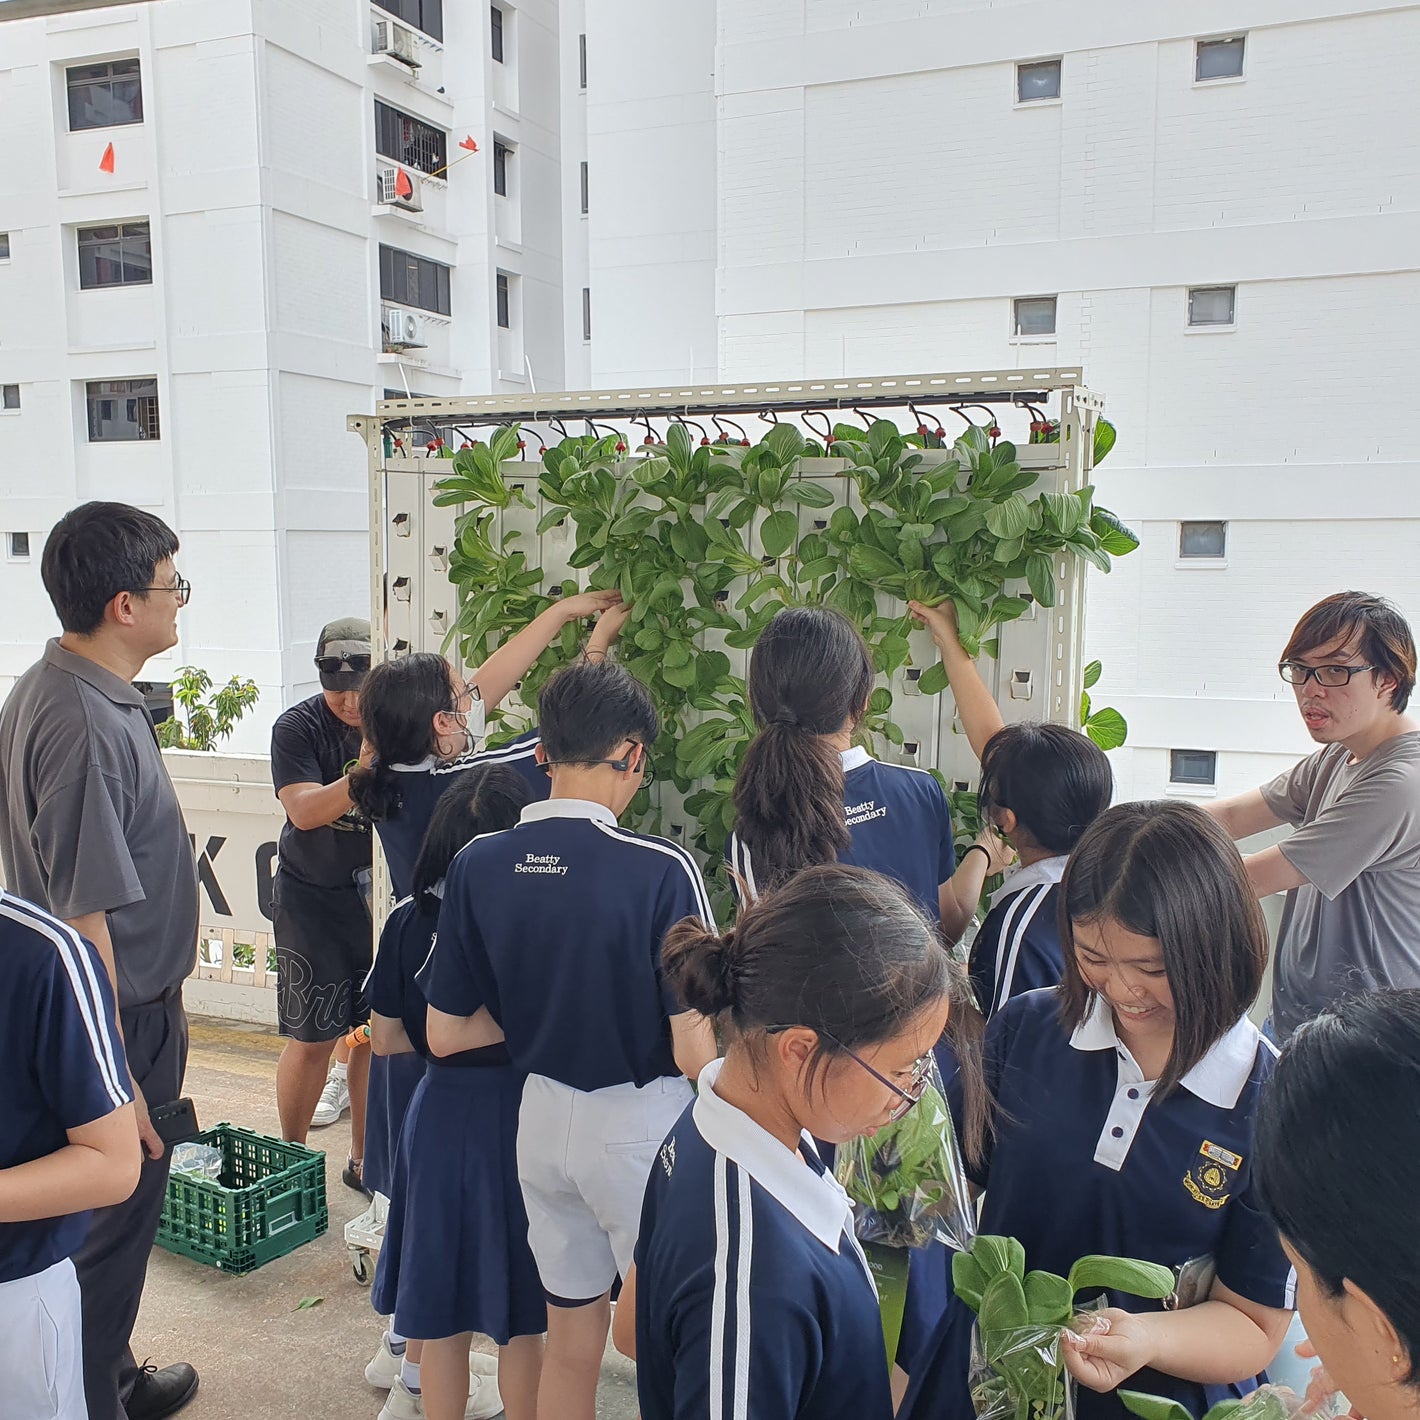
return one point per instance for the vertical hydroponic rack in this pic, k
(1036, 672)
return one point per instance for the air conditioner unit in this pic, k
(395, 40)
(402, 330)
(390, 184)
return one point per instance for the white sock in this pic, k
(396, 1342)
(337, 1070)
(409, 1374)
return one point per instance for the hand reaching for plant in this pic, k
(585, 604)
(999, 854)
(608, 628)
(941, 621)
(1106, 1359)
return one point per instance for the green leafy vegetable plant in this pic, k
(199, 721)
(1018, 1371)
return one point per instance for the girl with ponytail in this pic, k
(805, 794)
(751, 1294)
(422, 722)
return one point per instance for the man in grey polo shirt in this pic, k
(90, 828)
(1351, 871)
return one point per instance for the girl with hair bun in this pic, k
(751, 1294)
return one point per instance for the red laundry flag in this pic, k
(469, 144)
(106, 162)
(402, 185)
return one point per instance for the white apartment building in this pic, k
(224, 228)
(1211, 207)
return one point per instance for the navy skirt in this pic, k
(455, 1256)
(392, 1082)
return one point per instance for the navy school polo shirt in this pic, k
(61, 1060)
(752, 1297)
(422, 784)
(1018, 947)
(1085, 1160)
(899, 824)
(556, 926)
(394, 985)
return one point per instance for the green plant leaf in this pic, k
(1048, 1299)
(778, 531)
(968, 1279)
(1092, 674)
(1153, 1407)
(871, 564)
(1115, 538)
(1108, 729)
(1105, 435)
(811, 495)
(1040, 578)
(785, 442)
(933, 680)
(306, 1303)
(1122, 1274)
(1003, 1304)
(1010, 518)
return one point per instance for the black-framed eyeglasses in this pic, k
(648, 770)
(181, 588)
(916, 1087)
(1333, 677)
(331, 665)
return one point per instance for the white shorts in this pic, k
(583, 1162)
(40, 1353)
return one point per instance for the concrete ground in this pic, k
(258, 1353)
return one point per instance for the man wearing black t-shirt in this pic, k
(323, 932)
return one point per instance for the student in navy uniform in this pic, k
(551, 934)
(805, 794)
(68, 1144)
(422, 723)
(1125, 1104)
(1041, 787)
(438, 1271)
(753, 1299)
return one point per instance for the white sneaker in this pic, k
(402, 1404)
(484, 1402)
(383, 1370)
(334, 1101)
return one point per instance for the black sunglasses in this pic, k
(648, 770)
(329, 665)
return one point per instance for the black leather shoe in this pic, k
(353, 1176)
(158, 1393)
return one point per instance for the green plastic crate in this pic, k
(269, 1200)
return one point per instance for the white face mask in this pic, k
(474, 724)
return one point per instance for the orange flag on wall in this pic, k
(469, 144)
(106, 162)
(402, 185)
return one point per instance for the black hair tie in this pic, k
(788, 722)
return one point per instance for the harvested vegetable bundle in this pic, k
(1267, 1402)
(1017, 1369)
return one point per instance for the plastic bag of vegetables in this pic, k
(907, 1182)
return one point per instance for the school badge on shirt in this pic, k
(668, 1156)
(1211, 1177)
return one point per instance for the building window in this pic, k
(411, 280)
(581, 61)
(496, 34)
(1203, 539)
(104, 95)
(1194, 767)
(120, 255)
(9, 397)
(1219, 59)
(505, 315)
(1037, 81)
(17, 546)
(586, 312)
(1212, 305)
(426, 15)
(502, 161)
(120, 410)
(1033, 315)
(4, 246)
(584, 190)
(409, 140)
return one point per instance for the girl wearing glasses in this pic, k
(752, 1297)
(421, 723)
(1124, 1106)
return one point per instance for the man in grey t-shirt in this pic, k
(90, 828)
(1351, 871)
